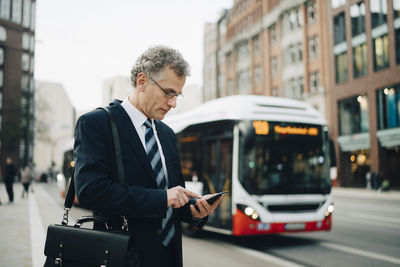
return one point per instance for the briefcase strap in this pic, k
(118, 157)
(117, 146)
(69, 199)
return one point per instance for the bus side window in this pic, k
(332, 153)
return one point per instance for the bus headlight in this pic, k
(249, 211)
(329, 210)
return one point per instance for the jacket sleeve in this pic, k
(185, 212)
(96, 189)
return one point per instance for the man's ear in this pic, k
(141, 81)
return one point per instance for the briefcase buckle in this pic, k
(58, 262)
(124, 223)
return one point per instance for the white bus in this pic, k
(272, 156)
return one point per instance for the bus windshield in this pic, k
(283, 158)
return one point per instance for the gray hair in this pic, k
(155, 59)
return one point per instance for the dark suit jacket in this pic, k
(140, 199)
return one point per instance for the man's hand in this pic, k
(179, 196)
(205, 209)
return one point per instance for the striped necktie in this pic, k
(153, 153)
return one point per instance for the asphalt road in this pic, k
(366, 232)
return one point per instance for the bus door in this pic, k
(217, 176)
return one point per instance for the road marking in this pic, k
(267, 257)
(360, 252)
(369, 223)
(37, 233)
(376, 218)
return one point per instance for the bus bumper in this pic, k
(243, 225)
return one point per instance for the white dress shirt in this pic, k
(138, 119)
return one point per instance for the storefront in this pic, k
(388, 134)
(354, 159)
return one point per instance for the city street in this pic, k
(365, 233)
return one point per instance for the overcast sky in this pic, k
(81, 43)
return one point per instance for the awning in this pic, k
(389, 138)
(354, 142)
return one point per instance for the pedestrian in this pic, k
(154, 199)
(26, 179)
(9, 176)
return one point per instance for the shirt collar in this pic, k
(137, 117)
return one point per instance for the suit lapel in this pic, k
(127, 129)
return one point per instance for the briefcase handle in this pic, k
(90, 218)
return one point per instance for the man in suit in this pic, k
(154, 199)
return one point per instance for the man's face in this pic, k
(153, 102)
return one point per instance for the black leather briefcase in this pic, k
(75, 246)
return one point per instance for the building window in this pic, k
(219, 58)
(25, 40)
(339, 28)
(33, 15)
(244, 82)
(5, 8)
(313, 47)
(272, 34)
(397, 40)
(311, 11)
(353, 115)
(300, 87)
(274, 67)
(25, 62)
(25, 82)
(292, 20)
(294, 54)
(275, 91)
(220, 82)
(230, 87)
(314, 82)
(256, 45)
(1, 80)
(26, 19)
(229, 60)
(243, 53)
(378, 10)
(388, 107)
(3, 34)
(16, 15)
(1, 56)
(341, 67)
(381, 52)
(32, 64)
(337, 3)
(360, 60)
(32, 46)
(357, 14)
(396, 9)
(257, 75)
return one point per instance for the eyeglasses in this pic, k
(168, 93)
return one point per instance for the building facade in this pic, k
(341, 56)
(54, 126)
(117, 87)
(17, 87)
(269, 47)
(365, 81)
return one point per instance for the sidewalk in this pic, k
(15, 246)
(365, 193)
(24, 224)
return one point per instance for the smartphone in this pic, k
(210, 200)
(215, 197)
